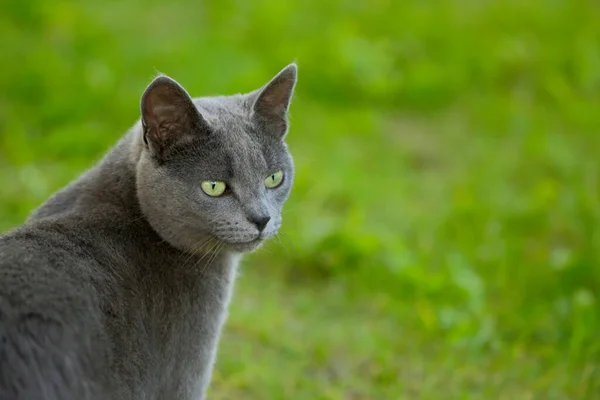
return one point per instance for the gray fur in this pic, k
(118, 286)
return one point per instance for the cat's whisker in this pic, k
(282, 244)
(287, 244)
(286, 237)
(210, 248)
(207, 253)
(193, 250)
(266, 250)
(291, 209)
(217, 251)
(198, 247)
(219, 246)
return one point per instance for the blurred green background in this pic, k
(442, 240)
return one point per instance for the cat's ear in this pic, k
(169, 116)
(272, 101)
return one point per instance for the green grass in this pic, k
(442, 238)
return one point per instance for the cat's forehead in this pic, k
(234, 147)
(232, 126)
(225, 113)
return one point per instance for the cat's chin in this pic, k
(246, 247)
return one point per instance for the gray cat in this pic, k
(118, 286)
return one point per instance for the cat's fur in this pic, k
(117, 287)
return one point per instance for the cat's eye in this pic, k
(213, 188)
(274, 180)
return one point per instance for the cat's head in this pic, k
(215, 171)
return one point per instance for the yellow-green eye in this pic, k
(213, 188)
(274, 180)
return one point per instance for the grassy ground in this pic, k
(442, 238)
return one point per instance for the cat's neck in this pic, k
(111, 181)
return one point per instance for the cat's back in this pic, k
(37, 260)
(71, 263)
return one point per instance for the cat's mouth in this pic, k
(250, 245)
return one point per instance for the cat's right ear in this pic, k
(169, 116)
(271, 103)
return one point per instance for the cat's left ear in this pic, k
(169, 117)
(272, 101)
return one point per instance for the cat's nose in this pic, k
(260, 221)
